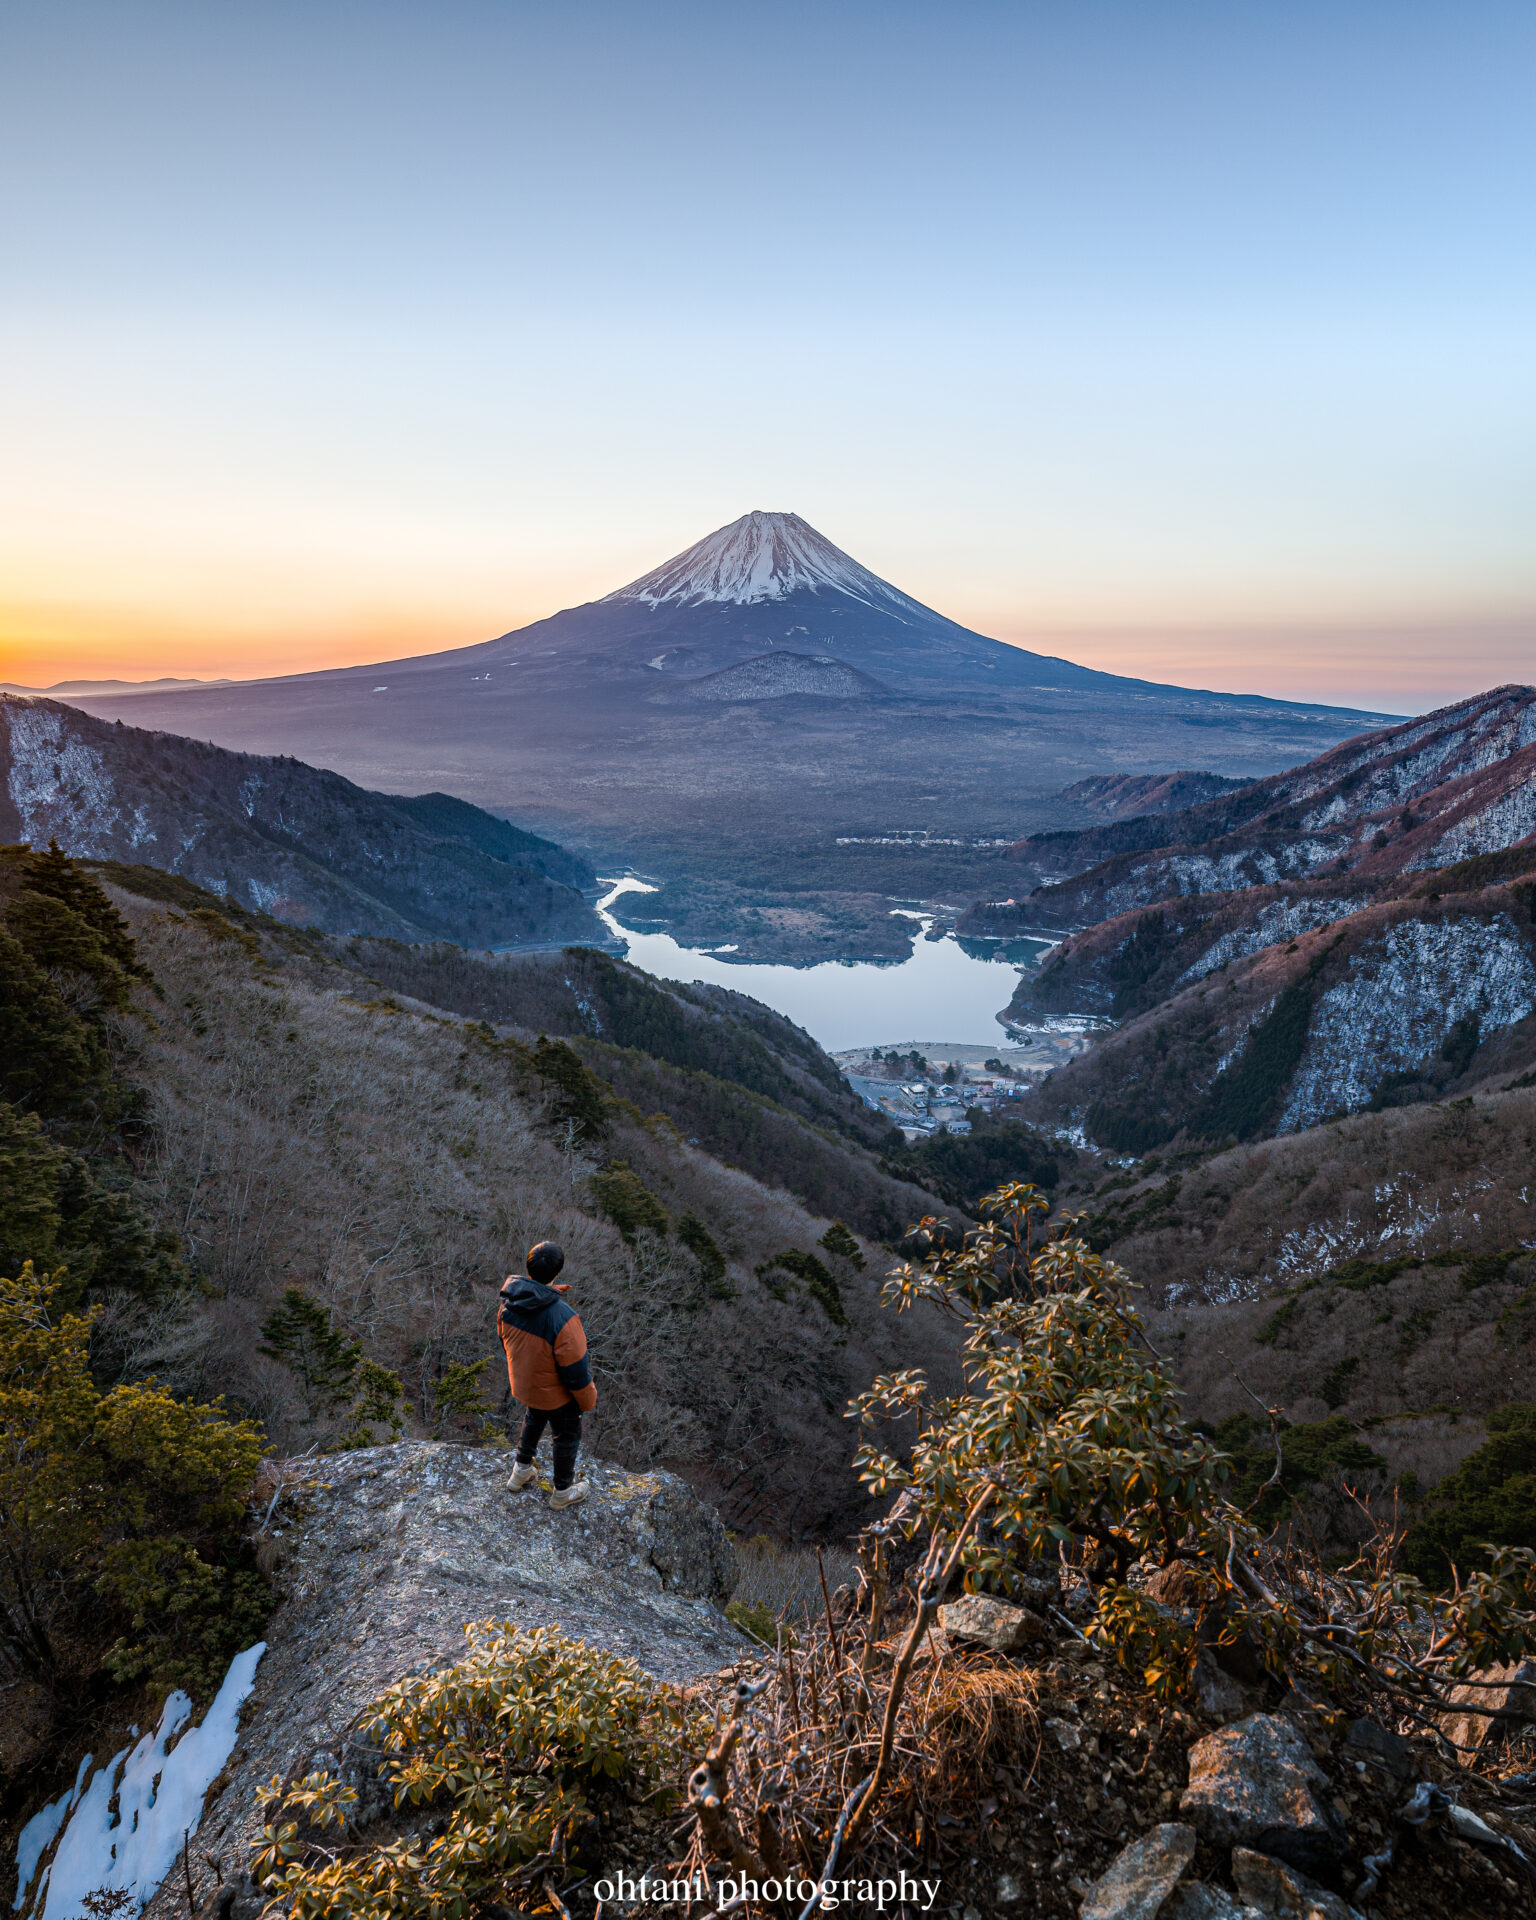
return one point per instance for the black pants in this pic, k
(565, 1424)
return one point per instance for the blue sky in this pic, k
(1191, 340)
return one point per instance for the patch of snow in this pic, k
(1504, 823)
(764, 556)
(1239, 1036)
(37, 1835)
(1280, 920)
(127, 1829)
(265, 895)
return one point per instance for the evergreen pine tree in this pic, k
(839, 1241)
(298, 1332)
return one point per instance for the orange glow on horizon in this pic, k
(1387, 667)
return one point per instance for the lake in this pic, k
(948, 990)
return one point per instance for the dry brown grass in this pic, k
(977, 1714)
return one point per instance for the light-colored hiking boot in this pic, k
(523, 1476)
(569, 1496)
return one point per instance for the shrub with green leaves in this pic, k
(1070, 1439)
(503, 1752)
(574, 1094)
(60, 1211)
(701, 1243)
(1488, 1502)
(131, 1498)
(298, 1332)
(624, 1198)
(66, 961)
(1310, 1453)
(332, 1370)
(814, 1276)
(839, 1241)
(456, 1396)
(380, 1402)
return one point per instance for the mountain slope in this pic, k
(1437, 789)
(1356, 933)
(557, 722)
(1401, 1000)
(302, 845)
(1130, 796)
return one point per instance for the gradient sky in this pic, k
(1191, 340)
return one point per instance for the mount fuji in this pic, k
(761, 704)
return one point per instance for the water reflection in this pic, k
(947, 990)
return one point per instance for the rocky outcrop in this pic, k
(1497, 1695)
(384, 1555)
(1279, 1892)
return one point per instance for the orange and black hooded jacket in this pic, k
(546, 1347)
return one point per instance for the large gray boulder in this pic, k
(1256, 1784)
(1141, 1877)
(384, 1555)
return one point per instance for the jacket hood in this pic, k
(522, 1295)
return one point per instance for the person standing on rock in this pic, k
(548, 1367)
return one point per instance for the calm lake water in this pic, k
(947, 991)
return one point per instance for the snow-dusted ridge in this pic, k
(765, 556)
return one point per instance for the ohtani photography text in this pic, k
(903, 1891)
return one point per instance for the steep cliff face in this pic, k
(292, 841)
(1406, 989)
(1408, 998)
(1127, 964)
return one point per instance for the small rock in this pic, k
(1281, 1893)
(1371, 1742)
(1218, 1693)
(1067, 1737)
(1256, 1784)
(1142, 1876)
(1010, 1890)
(991, 1623)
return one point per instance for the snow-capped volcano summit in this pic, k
(763, 556)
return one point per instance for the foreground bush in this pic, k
(119, 1513)
(1069, 1448)
(505, 1749)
